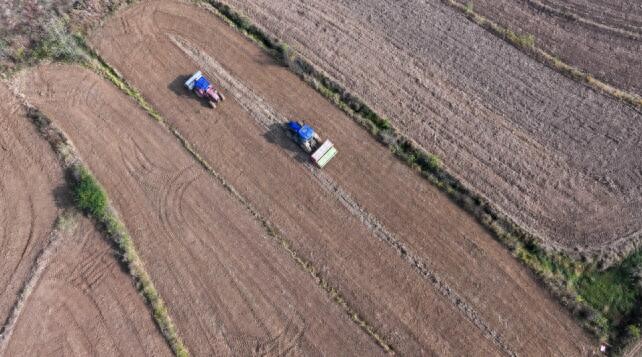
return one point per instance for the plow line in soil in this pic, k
(268, 117)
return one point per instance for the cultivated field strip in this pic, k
(261, 167)
(596, 16)
(580, 33)
(266, 116)
(85, 304)
(499, 119)
(198, 243)
(40, 264)
(29, 181)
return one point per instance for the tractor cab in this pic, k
(202, 83)
(303, 132)
(204, 89)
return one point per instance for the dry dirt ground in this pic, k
(85, 304)
(559, 158)
(417, 267)
(30, 181)
(230, 289)
(603, 37)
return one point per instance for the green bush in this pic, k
(58, 44)
(612, 292)
(469, 8)
(89, 196)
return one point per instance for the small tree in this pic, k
(89, 196)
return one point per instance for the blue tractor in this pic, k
(310, 142)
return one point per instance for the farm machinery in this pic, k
(320, 152)
(198, 84)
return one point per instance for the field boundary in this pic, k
(559, 272)
(527, 44)
(91, 198)
(100, 66)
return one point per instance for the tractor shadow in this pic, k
(277, 135)
(177, 86)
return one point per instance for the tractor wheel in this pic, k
(221, 96)
(212, 104)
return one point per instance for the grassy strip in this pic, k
(91, 198)
(100, 66)
(56, 44)
(605, 302)
(527, 44)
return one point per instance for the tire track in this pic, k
(267, 117)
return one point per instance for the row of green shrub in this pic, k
(605, 302)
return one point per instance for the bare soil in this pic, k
(31, 190)
(230, 289)
(600, 36)
(554, 155)
(417, 267)
(85, 304)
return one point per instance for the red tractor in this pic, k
(203, 89)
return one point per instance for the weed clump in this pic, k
(88, 194)
(58, 44)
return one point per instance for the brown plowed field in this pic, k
(86, 305)
(230, 289)
(557, 157)
(417, 267)
(30, 179)
(604, 37)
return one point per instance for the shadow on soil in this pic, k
(62, 197)
(277, 135)
(177, 86)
